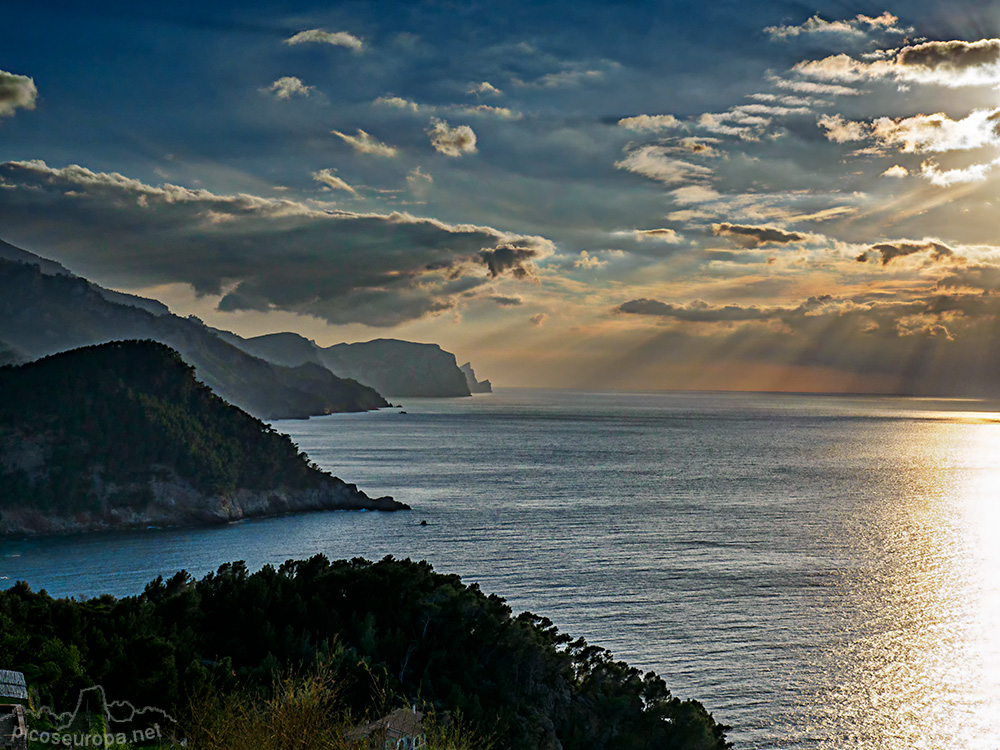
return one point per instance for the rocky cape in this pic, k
(392, 367)
(122, 436)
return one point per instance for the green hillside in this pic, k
(125, 426)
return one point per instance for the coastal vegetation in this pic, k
(365, 630)
(123, 434)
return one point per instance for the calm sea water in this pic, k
(821, 572)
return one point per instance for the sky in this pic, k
(721, 195)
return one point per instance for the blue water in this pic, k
(821, 572)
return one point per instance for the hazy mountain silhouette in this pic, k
(390, 366)
(45, 309)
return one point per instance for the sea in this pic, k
(818, 571)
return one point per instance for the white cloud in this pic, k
(860, 25)
(586, 260)
(503, 113)
(896, 170)
(287, 87)
(934, 133)
(695, 194)
(937, 132)
(840, 130)
(650, 123)
(973, 173)
(812, 87)
(452, 141)
(332, 182)
(651, 161)
(367, 144)
(16, 92)
(397, 102)
(336, 38)
(485, 88)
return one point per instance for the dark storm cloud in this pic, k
(698, 311)
(257, 253)
(509, 258)
(750, 237)
(889, 251)
(951, 55)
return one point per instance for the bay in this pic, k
(819, 571)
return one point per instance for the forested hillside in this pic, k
(122, 434)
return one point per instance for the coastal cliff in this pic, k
(122, 435)
(390, 366)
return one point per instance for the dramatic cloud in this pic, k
(452, 141)
(328, 178)
(860, 25)
(698, 311)
(650, 123)
(367, 144)
(653, 162)
(287, 87)
(257, 253)
(336, 38)
(753, 236)
(889, 251)
(938, 133)
(509, 259)
(16, 92)
(952, 63)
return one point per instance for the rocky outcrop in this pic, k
(167, 501)
(475, 386)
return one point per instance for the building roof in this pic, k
(12, 685)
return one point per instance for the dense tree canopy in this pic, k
(111, 414)
(393, 626)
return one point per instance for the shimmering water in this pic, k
(821, 572)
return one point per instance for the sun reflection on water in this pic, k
(920, 651)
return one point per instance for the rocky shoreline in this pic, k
(170, 502)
